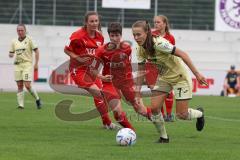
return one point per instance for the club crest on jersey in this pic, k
(111, 46)
(230, 12)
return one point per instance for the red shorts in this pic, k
(84, 79)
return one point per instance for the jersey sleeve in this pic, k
(33, 44)
(74, 45)
(163, 45)
(12, 47)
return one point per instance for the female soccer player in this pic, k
(117, 74)
(161, 28)
(172, 74)
(22, 48)
(83, 43)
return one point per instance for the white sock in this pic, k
(33, 93)
(20, 98)
(158, 121)
(193, 113)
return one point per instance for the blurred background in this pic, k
(184, 14)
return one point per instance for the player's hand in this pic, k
(201, 79)
(106, 78)
(82, 60)
(11, 55)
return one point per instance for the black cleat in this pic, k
(200, 121)
(163, 140)
(20, 107)
(38, 103)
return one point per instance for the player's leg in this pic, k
(129, 95)
(86, 81)
(101, 104)
(114, 100)
(169, 106)
(19, 80)
(27, 78)
(185, 113)
(157, 100)
(20, 95)
(159, 93)
(183, 93)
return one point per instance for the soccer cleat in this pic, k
(20, 107)
(163, 140)
(112, 126)
(200, 121)
(169, 118)
(38, 103)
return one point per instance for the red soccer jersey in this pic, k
(117, 62)
(167, 36)
(83, 45)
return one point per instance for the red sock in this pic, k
(169, 103)
(122, 120)
(149, 113)
(103, 110)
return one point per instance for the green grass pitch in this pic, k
(38, 134)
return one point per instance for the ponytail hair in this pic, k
(148, 44)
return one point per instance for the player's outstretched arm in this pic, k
(36, 58)
(201, 79)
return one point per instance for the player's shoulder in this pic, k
(109, 46)
(125, 45)
(14, 40)
(28, 38)
(78, 34)
(159, 39)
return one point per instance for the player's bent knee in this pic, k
(183, 116)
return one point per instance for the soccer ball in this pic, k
(126, 137)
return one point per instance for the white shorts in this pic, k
(182, 90)
(23, 71)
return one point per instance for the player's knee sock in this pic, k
(193, 113)
(103, 110)
(33, 93)
(169, 104)
(122, 120)
(20, 98)
(158, 122)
